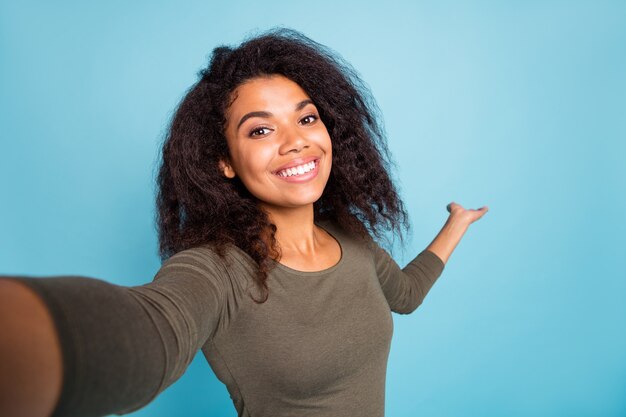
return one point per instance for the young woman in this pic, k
(272, 190)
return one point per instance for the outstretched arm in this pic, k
(30, 354)
(119, 346)
(406, 288)
(453, 230)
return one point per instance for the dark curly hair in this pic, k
(197, 205)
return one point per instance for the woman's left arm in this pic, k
(453, 230)
(405, 288)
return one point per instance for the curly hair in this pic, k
(197, 205)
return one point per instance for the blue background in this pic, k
(520, 106)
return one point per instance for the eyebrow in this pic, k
(266, 114)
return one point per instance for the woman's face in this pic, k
(279, 146)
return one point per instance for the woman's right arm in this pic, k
(30, 353)
(119, 346)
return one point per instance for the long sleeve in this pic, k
(406, 288)
(122, 346)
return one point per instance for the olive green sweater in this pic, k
(317, 347)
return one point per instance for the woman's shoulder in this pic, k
(207, 259)
(206, 254)
(201, 256)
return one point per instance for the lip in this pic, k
(296, 162)
(306, 177)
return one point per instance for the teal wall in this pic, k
(520, 106)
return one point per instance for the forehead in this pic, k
(264, 93)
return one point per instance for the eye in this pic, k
(306, 120)
(259, 131)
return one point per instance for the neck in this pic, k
(295, 229)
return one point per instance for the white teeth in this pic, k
(298, 170)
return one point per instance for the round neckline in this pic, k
(322, 271)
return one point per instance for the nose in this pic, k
(293, 142)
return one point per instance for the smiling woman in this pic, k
(283, 157)
(272, 150)
(273, 189)
(259, 108)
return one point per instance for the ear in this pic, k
(227, 169)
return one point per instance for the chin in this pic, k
(297, 202)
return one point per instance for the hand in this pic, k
(454, 229)
(465, 216)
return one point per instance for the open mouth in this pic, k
(299, 170)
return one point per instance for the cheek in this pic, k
(254, 160)
(326, 143)
(319, 135)
(324, 138)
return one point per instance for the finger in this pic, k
(480, 212)
(450, 206)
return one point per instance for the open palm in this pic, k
(464, 215)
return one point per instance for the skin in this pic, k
(454, 228)
(261, 144)
(31, 367)
(30, 353)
